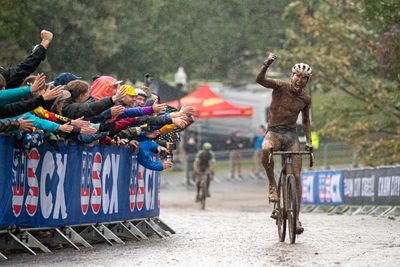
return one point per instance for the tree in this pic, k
(350, 52)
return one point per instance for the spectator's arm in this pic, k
(144, 159)
(167, 129)
(15, 109)
(136, 112)
(102, 117)
(42, 124)
(13, 95)
(8, 125)
(15, 76)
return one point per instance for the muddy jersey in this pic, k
(203, 159)
(286, 105)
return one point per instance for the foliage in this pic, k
(127, 38)
(352, 53)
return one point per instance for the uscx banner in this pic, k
(322, 188)
(44, 187)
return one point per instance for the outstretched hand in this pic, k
(80, 123)
(159, 108)
(117, 110)
(119, 94)
(39, 83)
(188, 110)
(25, 125)
(167, 164)
(51, 94)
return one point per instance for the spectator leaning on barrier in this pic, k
(141, 97)
(103, 87)
(66, 108)
(144, 157)
(76, 106)
(55, 114)
(15, 76)
(11, 105)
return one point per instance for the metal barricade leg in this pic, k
(91, 233)
(122, 230)
(72, 235)
(135, 230)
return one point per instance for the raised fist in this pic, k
(47, 37)
(271, 58)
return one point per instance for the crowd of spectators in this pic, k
(68, 110)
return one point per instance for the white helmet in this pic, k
(302, 68)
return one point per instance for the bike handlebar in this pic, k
(293, 153)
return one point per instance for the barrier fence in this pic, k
(359, 187)
(76, 186)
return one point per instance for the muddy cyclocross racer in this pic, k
(288, 100)
(204, 170)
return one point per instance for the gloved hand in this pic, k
(271, 58)
(309, 148)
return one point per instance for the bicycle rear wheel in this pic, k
(203, 192)
(291, 207)
(281, 207)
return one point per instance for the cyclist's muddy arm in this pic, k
(262, 80)
(267, 82)
(306, 122)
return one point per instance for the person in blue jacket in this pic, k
(147, 147)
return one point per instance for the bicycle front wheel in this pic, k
(291, 207)
(281, 207)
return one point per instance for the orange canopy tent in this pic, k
(210, 105)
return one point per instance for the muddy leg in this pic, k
(270, 143)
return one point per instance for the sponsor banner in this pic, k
(379, 186)
(44, 187)
(322, 188)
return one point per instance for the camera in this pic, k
(51, 84)
(171, 146)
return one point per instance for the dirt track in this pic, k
(235, 230)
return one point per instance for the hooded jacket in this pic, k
(102, 87)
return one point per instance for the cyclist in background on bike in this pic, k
(204, 163)
(288, 100)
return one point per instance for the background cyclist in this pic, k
(204, 163)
